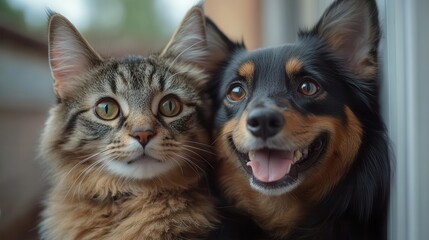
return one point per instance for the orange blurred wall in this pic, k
(238, 19)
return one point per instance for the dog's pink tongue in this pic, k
(271, 165)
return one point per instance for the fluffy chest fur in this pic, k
(170, 214)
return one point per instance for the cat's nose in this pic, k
(143, 136)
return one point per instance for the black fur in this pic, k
(357, 208)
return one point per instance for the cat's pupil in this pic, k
(106, 108)
(170, 106)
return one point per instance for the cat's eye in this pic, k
(107, 109)
(308, 88)
(236, 93)
(170, 106)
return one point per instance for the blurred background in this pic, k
(117, 28)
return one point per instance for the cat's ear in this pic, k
(351, 29)
(189, 40)
(196, 42)
(70, 55)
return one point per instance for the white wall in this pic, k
(406, 56)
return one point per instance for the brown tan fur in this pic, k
(139, 211)
(246, 71)
(293, 67)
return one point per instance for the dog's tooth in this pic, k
(288, 170)
(305, 152)
(297, 156)
(251, 155)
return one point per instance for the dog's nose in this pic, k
(264, 123)
(143, 136)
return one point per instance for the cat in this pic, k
(127, 143)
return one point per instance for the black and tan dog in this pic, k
(303, 145)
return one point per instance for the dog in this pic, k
(302, 144)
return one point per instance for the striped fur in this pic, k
(105, 184)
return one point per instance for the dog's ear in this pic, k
(351, 29)
(220, 46)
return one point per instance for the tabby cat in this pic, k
(126, 144)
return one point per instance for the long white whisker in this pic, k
(83, 161)
(82, 175)
(84, 171)
(191, 164)
(199, 143)
(200, 149)
(186, 148)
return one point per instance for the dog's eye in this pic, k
(236, 93)
(308, 88)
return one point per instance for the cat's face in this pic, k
(134, 117)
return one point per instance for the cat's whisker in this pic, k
(200, 149)
(197, 169)
(105, 164)
(101, 164)
(83, 161)
(186, 148)
(198, 143)
(84, 172)
(174, 160)
(189, 161)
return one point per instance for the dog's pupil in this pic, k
(237, 93)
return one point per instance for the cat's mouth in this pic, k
(140, 166)
(143, 158)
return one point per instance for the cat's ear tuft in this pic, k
(351, 29)
(70, 55)
(197, 41)
(189, 40)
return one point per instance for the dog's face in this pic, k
(292, 116)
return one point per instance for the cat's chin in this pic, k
(142, 167)
(144, 158)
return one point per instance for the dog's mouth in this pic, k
(277, 168)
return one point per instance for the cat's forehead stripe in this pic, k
(71, 121)
(113, 86)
